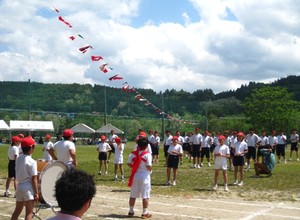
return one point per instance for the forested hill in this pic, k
(78, 98)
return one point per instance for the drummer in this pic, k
(64, 150)
(27, 178)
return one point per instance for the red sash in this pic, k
(135, 164)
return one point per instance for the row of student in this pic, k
(199, 145)
(141, 162)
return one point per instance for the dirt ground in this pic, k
(112, 203)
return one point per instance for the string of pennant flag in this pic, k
(106, 68)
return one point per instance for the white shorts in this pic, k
(141, 185)
(220, 164)
(118, 160)
(24, 192)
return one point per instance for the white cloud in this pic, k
(216, 52)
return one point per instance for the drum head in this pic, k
(50, 174)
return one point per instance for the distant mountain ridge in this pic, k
(78, 98)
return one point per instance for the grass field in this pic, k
(282, 185)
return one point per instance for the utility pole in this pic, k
(105, 107)
(29, 100)
(163, 116)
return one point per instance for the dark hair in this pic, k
(268, 146)
(73, 189)
(25, 150)
(143, 143)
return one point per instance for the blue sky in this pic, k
(158, 11)
(157, 44)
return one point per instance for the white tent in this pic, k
(31, 125)
(3, 125)
(82, 128)
(107, 128)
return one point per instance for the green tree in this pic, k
(271, 108)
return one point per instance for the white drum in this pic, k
(48, 177)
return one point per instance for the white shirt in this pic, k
(252, 140)
(240, 147)
(177, 148)
(180, 140)
(103, 147)
(143, 165)
(62, 149)
(281, 139)
(12, 152)
(150, 138)
(264, 140)
(233, 139)
(26, 167)
(168, 140)
(196, 139)
(62, 216)
(112, 138)
(47, 146)
(207, 141)
(224, 150)
(273, 140)
(294, 138)
(156, 140)
(118, 157)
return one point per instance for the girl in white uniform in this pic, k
(118, 158)
(221, 153)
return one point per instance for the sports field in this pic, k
(276, 197)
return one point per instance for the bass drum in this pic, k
(41, 164)
(48, 177)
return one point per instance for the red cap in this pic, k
(48, 136)
(15, 138)
(142, 134)
(67, 133)
(221, 137)
(27, 142)
(241, 134)
(21, 135)
(175, 138)
(103, 137)
(118, 140)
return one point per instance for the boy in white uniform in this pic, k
(140, 181)
(221, 153)
(13, 153)
(294, 144)
(65, 149)
(47, 145)
(27, 178)
(118, 158)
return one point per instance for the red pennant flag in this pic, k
(115, 77)
(103, 68)
(96, 58)
(67, 23)
(139, 97)
(84, 49)
(125, 86)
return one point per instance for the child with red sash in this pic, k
(140, 182)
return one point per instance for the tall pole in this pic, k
(29, 100)
(163, 116)
(206, 117)
(105, 107)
